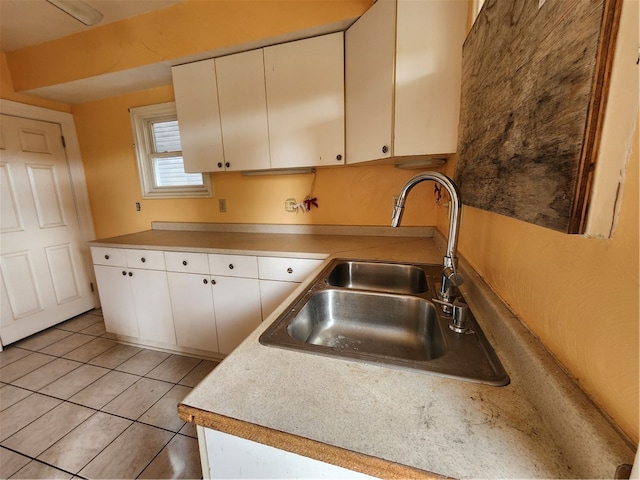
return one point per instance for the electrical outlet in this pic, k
(222, 205)
(289, 205)
(138, 207)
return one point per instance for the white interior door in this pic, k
(43, 278)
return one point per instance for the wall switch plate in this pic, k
(289, 205)
(222, 205)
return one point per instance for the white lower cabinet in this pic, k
(273, 293)
(191, 300)
(279, 276)
(152, 305)
(116, 299)
(229, 456)
(135, 303)
(193, 312)
(237, 308)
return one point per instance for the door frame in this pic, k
(76, 173)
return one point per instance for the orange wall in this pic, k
(579, 295)
(358, 195)
(7, 91)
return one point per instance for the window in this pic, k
(159, 152)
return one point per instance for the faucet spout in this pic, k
(450, 259)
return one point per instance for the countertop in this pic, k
(391, 422)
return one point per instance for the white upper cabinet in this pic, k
(369, 79)
(196, 94)
(402, 75)
(243, 110)
(305, 101)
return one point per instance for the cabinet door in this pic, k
(305, 101)
(116, 300)
(196, 94)
(193, 313)
(243, 110)
(369, 80)
(428, 71)
(152, 305)
(273, 293)
(236, 303)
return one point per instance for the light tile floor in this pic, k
(75, 403)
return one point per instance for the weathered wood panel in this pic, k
(534, 76)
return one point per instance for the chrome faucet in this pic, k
(450, 278)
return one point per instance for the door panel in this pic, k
(44, 280)
(10, 220)
(44, 187)
(20, 284)
(63, 273)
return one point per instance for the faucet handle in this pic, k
(459, 312)
(454, 277)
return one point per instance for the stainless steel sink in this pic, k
(378, 277)
(382, 312)
(370, 323)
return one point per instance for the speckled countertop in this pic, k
(393, 422)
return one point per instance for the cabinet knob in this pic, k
(106, 257)
(338, 157)
(231, 266)
(385, 149)
(219, 164)
(124, 273)
(131, 274)
(289, 270)
(205, 281)
(142, 259)
(227, 164)
(213, 282)
(184, 262)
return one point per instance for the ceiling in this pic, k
(25, 23)
(29, 22)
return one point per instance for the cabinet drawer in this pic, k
(233, 265)
(187, 262)
(108, 256)
(286, 269)
(147, 259)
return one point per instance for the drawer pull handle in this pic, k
(205, 281)
(289, 270)
(231, 266)
(184, 262)
(106, 257)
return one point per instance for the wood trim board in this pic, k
(535, 77)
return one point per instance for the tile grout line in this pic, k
(173, 384)
(73, 475)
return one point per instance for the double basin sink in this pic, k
(381, 312)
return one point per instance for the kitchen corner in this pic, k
(388, 422)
